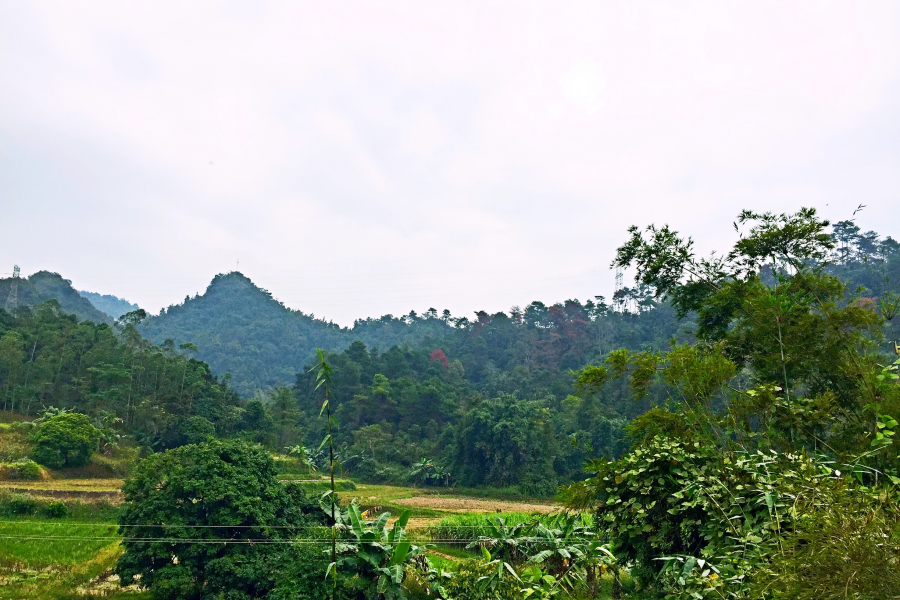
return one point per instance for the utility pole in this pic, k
(12, 301)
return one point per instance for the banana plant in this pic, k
(374, 557)
(505, 541)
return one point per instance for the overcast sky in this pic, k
(368, 158)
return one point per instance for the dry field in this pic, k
(472, 505)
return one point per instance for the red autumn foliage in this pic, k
(438, 354)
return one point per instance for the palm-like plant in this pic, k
(422, 471)
(503, 541)
(569, 548)
(373, 556)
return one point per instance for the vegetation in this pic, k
(65, 440)
(44, 286)
(779, 426)
(209, 520)
(112, 306)
(737, 416)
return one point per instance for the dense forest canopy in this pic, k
(487, 400)
(111, 305)
(43, 286)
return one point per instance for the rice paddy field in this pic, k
(59, 539)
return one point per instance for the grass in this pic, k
(67, 485)
(36, 543)
(460, 530)
(14, 443)
(89, 578)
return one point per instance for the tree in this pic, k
(65, 440)
(220, 522)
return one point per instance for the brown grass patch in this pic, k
(472, 505)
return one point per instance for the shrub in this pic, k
(56, 510)
(65, 440)
(24, 470)
(302, 577)
(18, 505)
(846, 540)
(469, 582)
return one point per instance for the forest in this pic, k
(723, 428)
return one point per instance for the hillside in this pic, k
(43, 286)
(241, 329)
(110, 305)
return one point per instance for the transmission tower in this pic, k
(618, 301)
(12, 301)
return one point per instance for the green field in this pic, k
(74, 556)
(34, 543)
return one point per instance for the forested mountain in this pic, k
(490, 400)
(43, 286)
(111, 305)
(158, 396)
(241, 329)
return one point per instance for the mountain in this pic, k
(241, 329)
(43, 286)
(111, 305)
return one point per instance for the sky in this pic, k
(364, 158)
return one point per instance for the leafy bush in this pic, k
(56, 509)
(65, 440)
(18, 505)
(846, 545)
(23, 470)
(469, 582)
(302, 576)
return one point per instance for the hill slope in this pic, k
(43, 286)
(111, 305)
(241, 329)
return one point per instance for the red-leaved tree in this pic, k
(439, 355)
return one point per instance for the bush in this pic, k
(21, 470)
(468, 583)
(65, 440)
(18, 504)
(56, 510)
(847, 540)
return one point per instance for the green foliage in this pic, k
(25, 470)
(726, 492)
(219, 518)
(18, 505)
(507, 442)
(302, 575)
(372, 558)
(44, 286)
(110, 305)
(468, 580)
(845, 544)
(65, 440)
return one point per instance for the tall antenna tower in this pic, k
(618, 302)
(12, 301)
